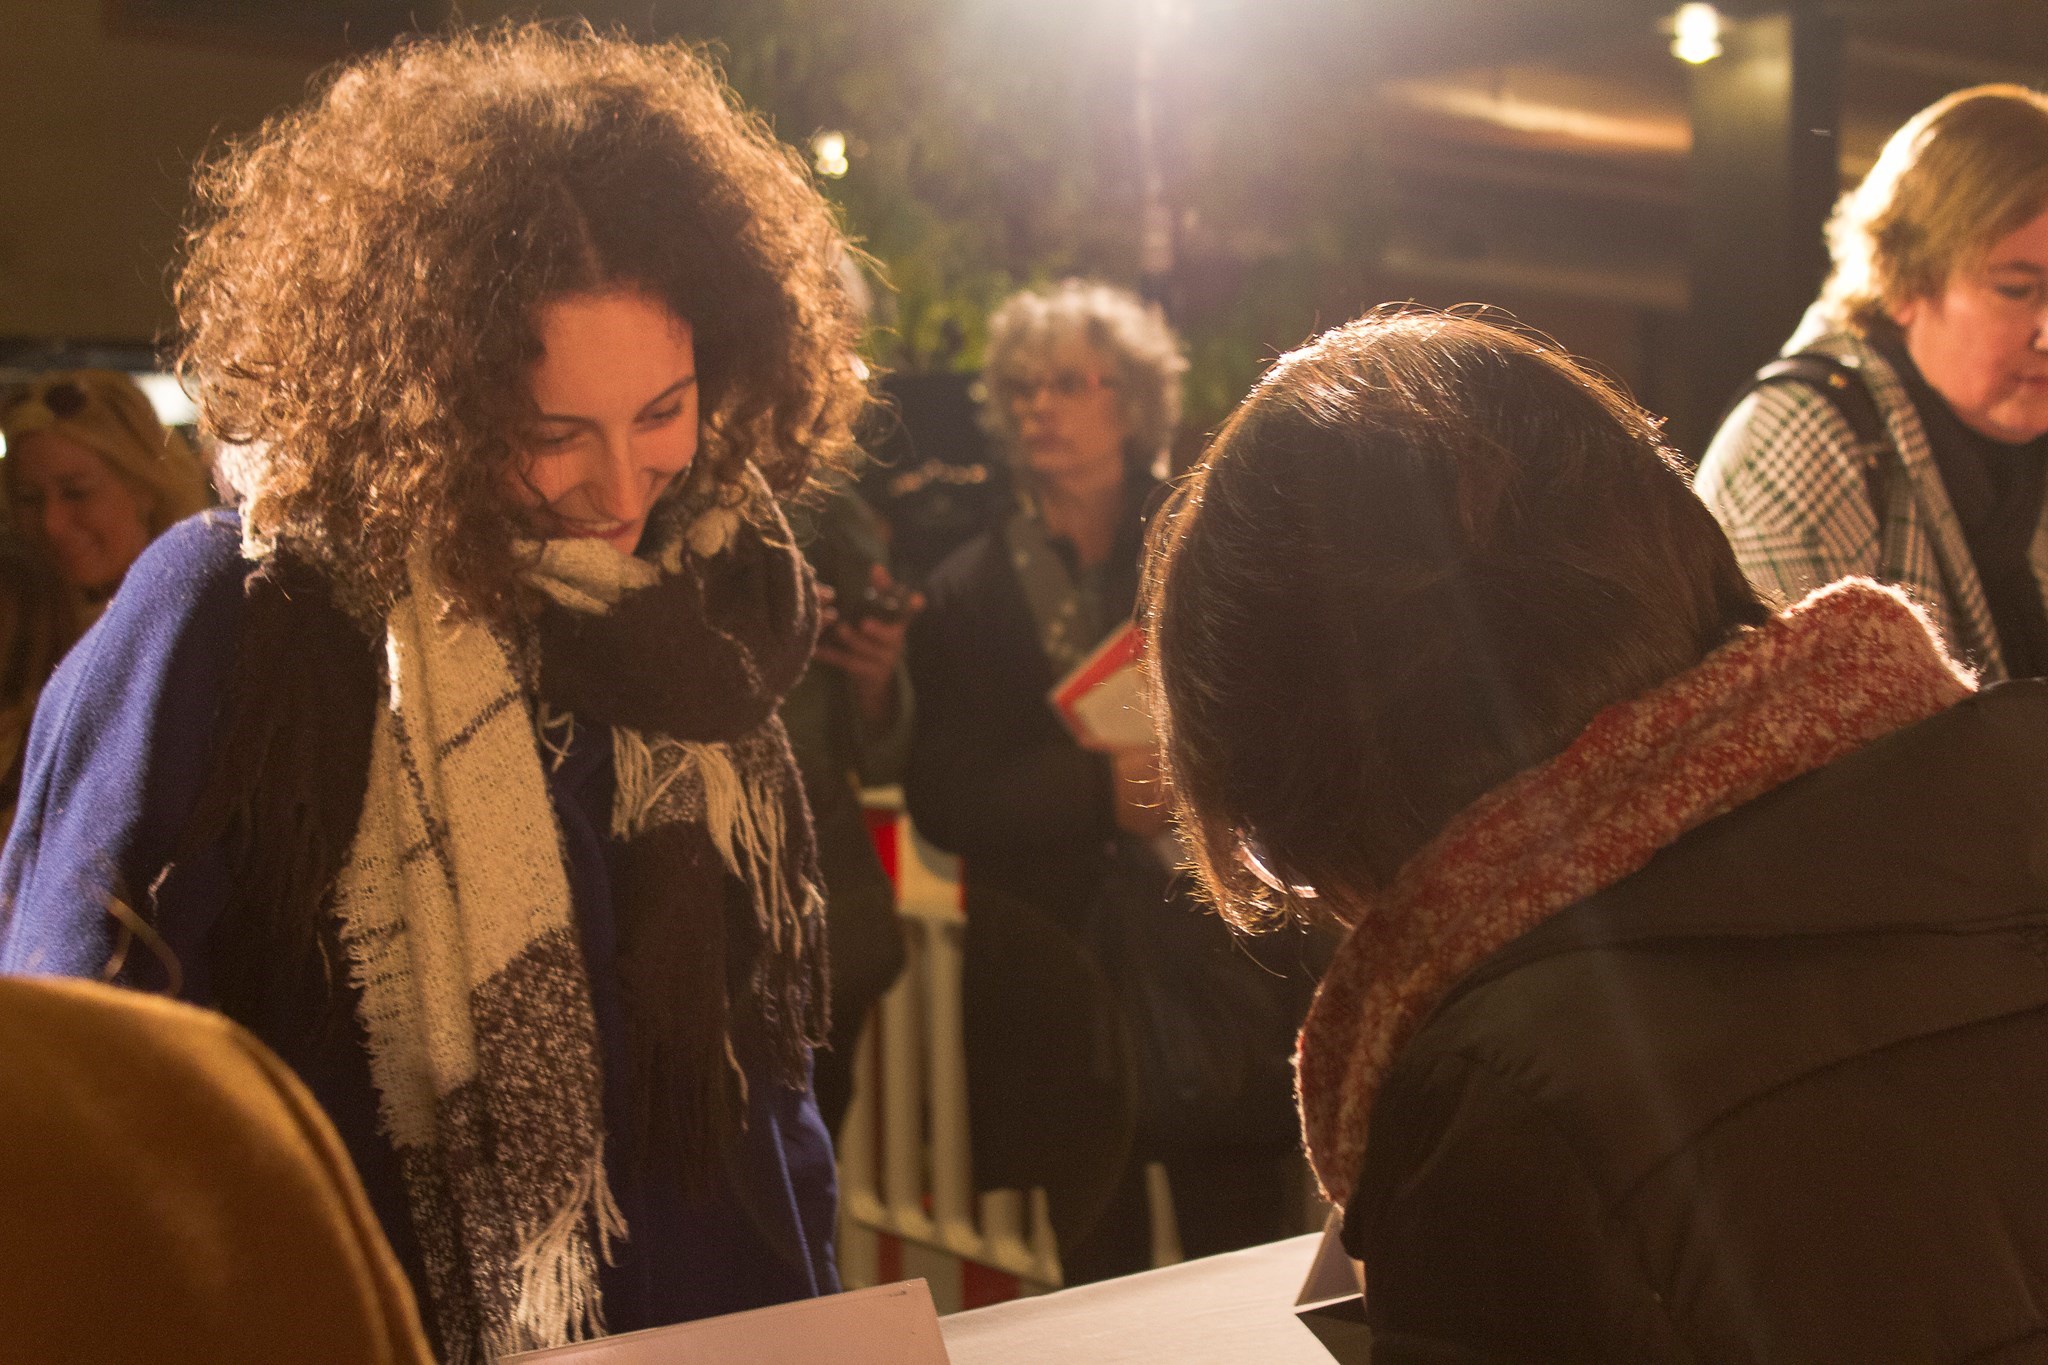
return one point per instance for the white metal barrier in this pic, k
(904, 1167)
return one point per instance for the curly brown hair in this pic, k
(361, 292)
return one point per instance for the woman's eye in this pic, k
(662, 416)
(554, 440)
(2019, 293)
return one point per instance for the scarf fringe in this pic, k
(745, 820)
(557, 1268)
(642, 773)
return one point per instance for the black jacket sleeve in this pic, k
(1484, 1238)
(993, 774)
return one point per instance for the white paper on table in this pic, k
(890, 1324)
(1332, 1274)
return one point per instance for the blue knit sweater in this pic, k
(116, 760)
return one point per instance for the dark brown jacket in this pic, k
(1782, 1095)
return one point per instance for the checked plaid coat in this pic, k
(1795, 491)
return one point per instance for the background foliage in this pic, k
(994, 143)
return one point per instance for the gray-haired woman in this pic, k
(1067, 1088)
(1916, 448)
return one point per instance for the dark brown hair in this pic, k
(1420, 557)
(362, 287)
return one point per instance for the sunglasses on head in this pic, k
(63, 398)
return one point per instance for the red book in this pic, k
(1103, 700)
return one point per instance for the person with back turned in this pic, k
(1692, 999)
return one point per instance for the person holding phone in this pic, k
(849, 722)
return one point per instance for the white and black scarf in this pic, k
(454, 906)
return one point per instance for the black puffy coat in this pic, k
(1781, 1095)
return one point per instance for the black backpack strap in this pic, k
(1842, 384)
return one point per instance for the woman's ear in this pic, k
(1904, 311)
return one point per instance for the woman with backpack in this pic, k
(1905, 434)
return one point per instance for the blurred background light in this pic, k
(174, 407)
(828, 154)
(1696, 33)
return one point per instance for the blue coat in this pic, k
(117, 757)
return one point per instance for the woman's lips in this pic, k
(623, 536)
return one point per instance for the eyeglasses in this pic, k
(1065, 385)
(1251, 855)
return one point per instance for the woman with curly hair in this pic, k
(1085, 1061)
(450, 766)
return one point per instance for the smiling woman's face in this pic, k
(616, 390)
(71, 503)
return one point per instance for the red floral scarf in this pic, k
(1852, 662)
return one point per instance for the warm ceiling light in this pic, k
(828, 154)
(1696, 33)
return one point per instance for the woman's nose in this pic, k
(607, 478)
(623, 480)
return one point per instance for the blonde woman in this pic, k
(1905, 435)
(91, 477)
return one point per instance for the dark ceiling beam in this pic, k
(1766, 151)
(1413, 37)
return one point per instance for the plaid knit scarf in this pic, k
(455, 914)
(1851, 663)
